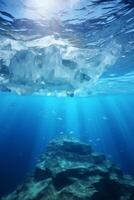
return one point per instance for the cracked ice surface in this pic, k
(53, 67)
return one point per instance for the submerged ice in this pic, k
(53, 67)
(59, 48)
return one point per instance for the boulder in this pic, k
(70, 170)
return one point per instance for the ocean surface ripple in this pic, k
(67, 48)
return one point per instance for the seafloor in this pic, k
(70, 170)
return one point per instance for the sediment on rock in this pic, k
(70, 170)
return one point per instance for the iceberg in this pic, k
(53, 67)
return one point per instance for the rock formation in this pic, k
(70, 170)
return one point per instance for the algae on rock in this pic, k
(70, 170)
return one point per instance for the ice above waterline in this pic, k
(53, 67)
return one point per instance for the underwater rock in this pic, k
(70, 170)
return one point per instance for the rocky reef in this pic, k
(70, 170)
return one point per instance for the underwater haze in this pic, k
(28, 123)
(66, 68)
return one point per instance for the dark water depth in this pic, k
(27, 123)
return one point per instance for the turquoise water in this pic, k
(27, 123)
(67, 48)
(66, 67)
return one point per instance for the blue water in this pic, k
(63, 48)
(66, 67)
(28, 123)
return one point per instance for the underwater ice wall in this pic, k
(53, 67)
(74, 48)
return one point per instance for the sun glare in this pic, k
(44, 7)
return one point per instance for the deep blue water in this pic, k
(27, 123)
(80, 50)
